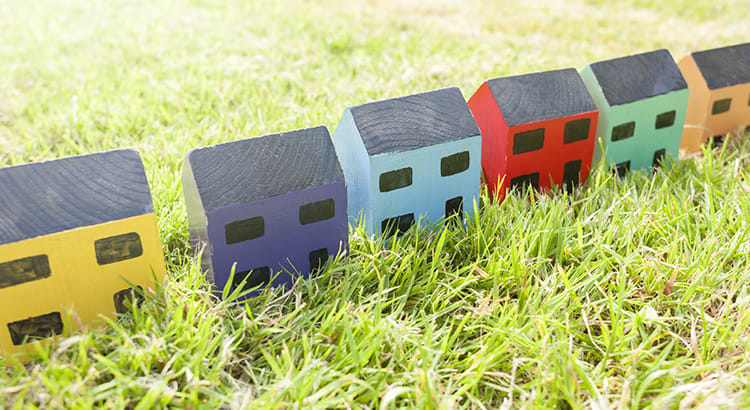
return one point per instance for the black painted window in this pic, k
(576, 130)
(527, 141)
(318, 258)
(665, 119)
(658, 157)
(571, 174)
(244, 230)
(397, 225)
(623, 131)
(716, 141)
(127, 298)
(523, 181)
(317, 211)
(255, 277)
(34, 328)
(454, 206)
(395, 179)
(24, 270)
(721, 106)
(118, 248)
(622, 169)
(453, 164)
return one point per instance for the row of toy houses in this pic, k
(78, 233)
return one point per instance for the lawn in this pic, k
(625, 293)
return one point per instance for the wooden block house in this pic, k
(408, 158)
(264, 206)
(642, 101)
(537, 129)
(719, 82)
(75, 233)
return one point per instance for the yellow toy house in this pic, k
(74, 234)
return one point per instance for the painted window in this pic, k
(523, 181)
(118, 248)
(571, 174)
(24, 270)
(658, 157)
(527, 141)
(576, 130)
(397, 225)
(244, 230)
(665, 119)
(453, 164)
(33, 328)
(317, 211)
(255, 277)
(721, 106)
(127, 298)
(318, 258)
(623, 131)
(622, 169)
(715, 141)
(454, 206)
(396, 179)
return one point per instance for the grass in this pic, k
(626, 293)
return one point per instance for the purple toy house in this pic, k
(265, 206)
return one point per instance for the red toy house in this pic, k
(537, 129)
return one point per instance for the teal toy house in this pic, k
(407, 158)
(642, 100)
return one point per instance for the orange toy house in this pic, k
(537, 129)
(719, 82)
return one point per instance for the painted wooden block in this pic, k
(642, 101)
(719, 82)
(269, 205)
(537, 129)
(408, 158)
(75, 233)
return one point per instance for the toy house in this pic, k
(537, 129)
(75, 233)
(719, 82)
(408, 158)
(264, 206)
(642, 101)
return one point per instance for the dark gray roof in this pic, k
(632, 78)
(46, 197)
(541, 96)
(414, 121)
(255, 168)
(724, 67)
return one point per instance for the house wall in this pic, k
(550, 160)
(646, 140)
(734, 120)
(429, 191)
(694, 133)
(77, 281)
(494, 131)
(589, 80)
(197, 222)
(286, 243)
(356, 166)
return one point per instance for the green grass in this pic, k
(627, 293)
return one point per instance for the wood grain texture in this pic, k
(725, 66)
(256, 168)
(46, 197)
(414, 121)
(632, 78)
(541, 96)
